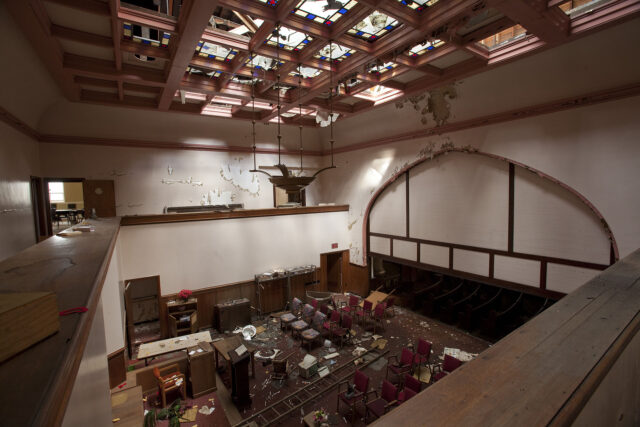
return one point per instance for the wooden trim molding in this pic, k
(209, 216)
(591, 98)
(431, 156)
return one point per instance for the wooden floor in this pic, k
(127, 408)
(546, 371)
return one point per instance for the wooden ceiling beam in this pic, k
(284, 8)
(251, 8)
(89, 81)
(350, 20)
(95, 97)
(106, 70)
(116, 37)
(147, 18)
(193, 20)
(144, 49)
(31, 16)
(80, 36)
(551, 25)
(94, 7)
(487, 30)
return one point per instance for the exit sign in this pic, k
(334, 246)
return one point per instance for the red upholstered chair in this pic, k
(402, 366)
(411, 387)
(333, 321)
(360, 387)
(342, 331)
(300, 325)
(364, 311)
(314, 303)
(387, 400)
(423, 353)
(405, 395)
(353, 305)
(449, 365)
(324, 309)
(168, 379)
(378, 316)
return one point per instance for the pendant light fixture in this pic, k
(287, 181)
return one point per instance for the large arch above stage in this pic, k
(482, 216)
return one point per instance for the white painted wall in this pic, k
(194, 255)
(138, 175)
(113, 303)
(18, 160)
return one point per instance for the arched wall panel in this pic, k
(460, 199)
(484, 217)
(549, 221)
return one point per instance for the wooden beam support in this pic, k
(551, 25)
(114, 5)
(80, 36)
(95, 7)
(147, 18)
(106, 70)
(31, 16)
(193, 21)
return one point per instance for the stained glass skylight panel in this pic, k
(269, 2)
(338, 53)
(323, 11)
(213, 51)
(260, 62)
(422, 48)
(373, 26)
(418, 4)
(289, 40)
(145, 35)
(307, 72)
(383, 68)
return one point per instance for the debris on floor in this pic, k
(461, 355)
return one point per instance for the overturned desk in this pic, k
(226, 345)
(156, 348)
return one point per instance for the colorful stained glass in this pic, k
(422, 48)
(213, 51)
(418, 4)
(289, 40)
(269, 2)
(374, 26)
(145, 35)
(324, 11)
(260, 62)
(383, 68)
(339, 53)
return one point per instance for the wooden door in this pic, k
(99, 195)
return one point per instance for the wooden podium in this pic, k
(240, 377)
(202, 372)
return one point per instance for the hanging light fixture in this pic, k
(287, 181)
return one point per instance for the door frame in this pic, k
(344, 268)
(127, 313)
(47, 200)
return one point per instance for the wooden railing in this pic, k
(575, 362)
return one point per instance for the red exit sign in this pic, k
(334, 246)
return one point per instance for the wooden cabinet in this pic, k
(183, 317)
(231, 314)
(202, 375)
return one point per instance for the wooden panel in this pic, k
(434, 255)
(117, 368)
(471, 262)
(406, 250)
(565, 278)
(101, 196)
(128, 407)
(357, 279)
(524, 271)
(249, 213)
(208, 298)
(74, 268)
(554, 360)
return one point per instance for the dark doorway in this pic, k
(64, 203)
(331, 265)
(142, 307)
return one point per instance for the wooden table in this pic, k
(156, 348)
(226, 345)
(375, 298)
